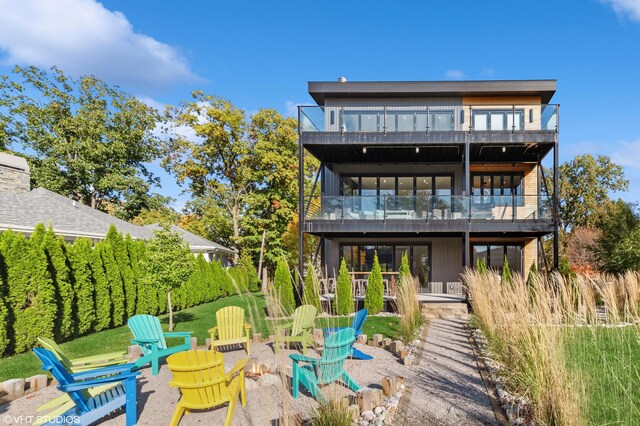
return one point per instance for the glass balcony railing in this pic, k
(471, 118)
(439, 207)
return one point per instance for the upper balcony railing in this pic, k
(425, 119)
(437, 207)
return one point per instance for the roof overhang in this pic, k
(321, 90)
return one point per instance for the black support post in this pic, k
(467, 180)
(301, 212)
(555, 206)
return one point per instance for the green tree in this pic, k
(5, 313)
(343, 300)
(31, 293)
(116, 288)
(54, 248)
(83, 286)
(253, 281)
(312, 288)
(374, 296)
(618, 247)
(119, 247)
(533, 275)
(405, 271)
(216, 164)
(284, 287)
(89, 140)
(168, 264)
(101, 286)
(481, 265)
(506, 276)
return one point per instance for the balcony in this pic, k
(451, 213)
(426, 119)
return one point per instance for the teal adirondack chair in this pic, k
(356, 324)
(300, 329)
(315, 372)
(88, 409)
(152, 341)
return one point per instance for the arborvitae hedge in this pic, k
(343, 299)
(117, 243)
(80, 258)
(49, 288)
(405, 270)
(101, 285)
(54, 248)
(374, 296)
(284, 287)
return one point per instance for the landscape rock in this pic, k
(368, 415)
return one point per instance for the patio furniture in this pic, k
(315, 372)
(203, 383)
(356, 325)
(152, 341)
(300, 329)
(230, 329)
(88, 409)
(77, 365)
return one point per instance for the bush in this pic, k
(331, 412)
(31, 294)
(374, 296)
(79, 257)
(101, 286)
(312, 288)
(119, 247)
(116, 289)
(5, 319)
(55, 250)
(343, 299)
(253, 280)
(405, 270)
(284, 287)
(506, 272)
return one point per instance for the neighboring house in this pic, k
(21, 209)
(448, 172)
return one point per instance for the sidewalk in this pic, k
(447, 388)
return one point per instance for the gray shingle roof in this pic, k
(22, 212)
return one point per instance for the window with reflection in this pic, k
(441, 120)
(495, 255)
(498, 120)
(359, 258)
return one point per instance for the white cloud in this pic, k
(627, 154)
(291, 108)
(454, 74)
(83, 37)
(625, 8)
(153, 103)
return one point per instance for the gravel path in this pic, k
(447, 388)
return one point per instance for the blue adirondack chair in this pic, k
(152, 341)
(356, 325)
(314, 372)
(87, 409)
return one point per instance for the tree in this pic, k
(584, 187)
(581, 248)
(253, 281)
(343, 300)
(618, 247)
(101, 286)
(121, 256)
(89, 140)
(284, 287)
(216, 164)
(168, 264)
(83, 287)
(374, 296)
(5, 313)
(312, 288)
(114, 280)
(506, 276)
(405, 271)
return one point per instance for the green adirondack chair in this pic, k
(152, 341)
(300, 330)
(63, 402)
(315, 372)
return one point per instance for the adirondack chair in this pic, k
(230, 329)
(152, 341)
(88, 409)
(204, 384)
(64, 402)
(356, 325)
(300, 329)
(314, 372)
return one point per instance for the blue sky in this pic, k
(261, 54)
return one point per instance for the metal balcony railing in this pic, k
(437, 207)
(426, 119)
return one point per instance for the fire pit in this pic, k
(255, 371)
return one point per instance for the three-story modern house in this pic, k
(448, 172)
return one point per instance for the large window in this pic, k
(491, 188)
(498, 120)
(495, 254)
(398, 121)
(359, 258)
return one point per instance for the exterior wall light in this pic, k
(364, 149)
(417, 150)
(504, 149)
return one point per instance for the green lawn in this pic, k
(198, 320)
(606, 363)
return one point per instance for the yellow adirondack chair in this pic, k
(230, 329)
(203, 383)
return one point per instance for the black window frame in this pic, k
(518, 112)
(504, 250)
